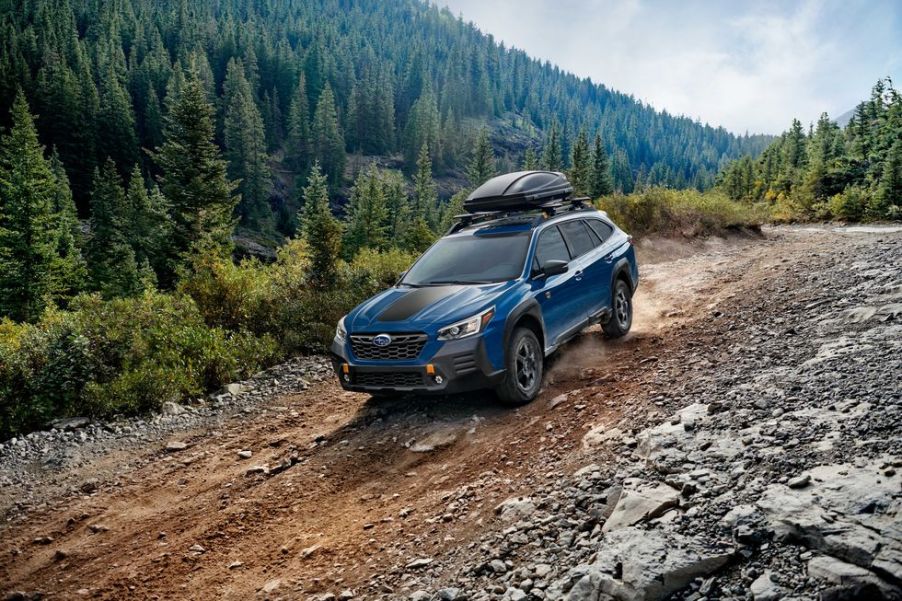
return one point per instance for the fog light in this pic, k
(346, 378)
(439, 379)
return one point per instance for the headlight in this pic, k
(341, 334)
(467, 327)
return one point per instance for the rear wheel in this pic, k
(525, 363)
(621, 311)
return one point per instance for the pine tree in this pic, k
(482, 163)
(28, 238)
(113, 270)
(601, 180)
(148, 217)
(425, 197)
(887, 200)
(552, 154)
(530, 160)
(419, 236)
(193, 180)
(116, 122)
(69, 268)
(397, 205)
(321, 231)
(367, 214)
(581, 165)
(245, 148)
(451, 210)
(297, 148)
(423, 127)
(327, 141)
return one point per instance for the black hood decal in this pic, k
(415, 301)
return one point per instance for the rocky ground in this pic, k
(743, 443)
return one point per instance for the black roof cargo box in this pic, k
(519, 191)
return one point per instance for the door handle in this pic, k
(578, 275)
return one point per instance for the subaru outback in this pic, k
(523, 272)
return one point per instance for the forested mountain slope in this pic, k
(295, 82)
(851, 172)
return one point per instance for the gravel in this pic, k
(771, 473)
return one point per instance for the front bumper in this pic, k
(458, 366)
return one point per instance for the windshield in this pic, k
(470, 260)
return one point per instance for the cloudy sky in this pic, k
(747, 65)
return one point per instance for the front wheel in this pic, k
(621, 311)
(525, 363)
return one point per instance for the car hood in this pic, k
(403, 309)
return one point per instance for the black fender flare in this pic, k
(528, 307)
(622, 267)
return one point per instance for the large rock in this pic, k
(641, 501)
(848, 512)
(515, 509)
(851, 581)
(639, 565)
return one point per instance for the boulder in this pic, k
(515, 509)
(639, 502)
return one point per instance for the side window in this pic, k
(577, 237)
(601, 229)
(551, 247)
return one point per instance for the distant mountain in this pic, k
(843, 120)
(324, 78)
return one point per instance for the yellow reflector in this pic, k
(430, 369)
(345, 368)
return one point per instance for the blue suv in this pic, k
(488, 302)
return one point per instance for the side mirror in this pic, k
(553, 267)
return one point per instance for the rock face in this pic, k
(644, 565)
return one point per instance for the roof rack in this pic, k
(543, 211)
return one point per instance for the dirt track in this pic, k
(366, 487)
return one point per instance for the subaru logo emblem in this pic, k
(382, 340)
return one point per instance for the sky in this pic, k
(748, 66)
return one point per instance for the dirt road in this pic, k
(341, 493)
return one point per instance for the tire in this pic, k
(525, 365)
(621, 311)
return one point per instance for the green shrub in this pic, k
(278, 300)
(850, 205)
(684, 212)
(121, 356)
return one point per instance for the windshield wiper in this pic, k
(457, 282)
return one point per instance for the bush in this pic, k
(278, 299)
(850, 205)
(684, 212)
(121, 356)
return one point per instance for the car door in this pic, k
(601, 264)
(580, 244)
(555, 294)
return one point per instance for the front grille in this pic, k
(389, 379)
(403, 346)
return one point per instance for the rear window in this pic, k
(578, 238)
(601, 229)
